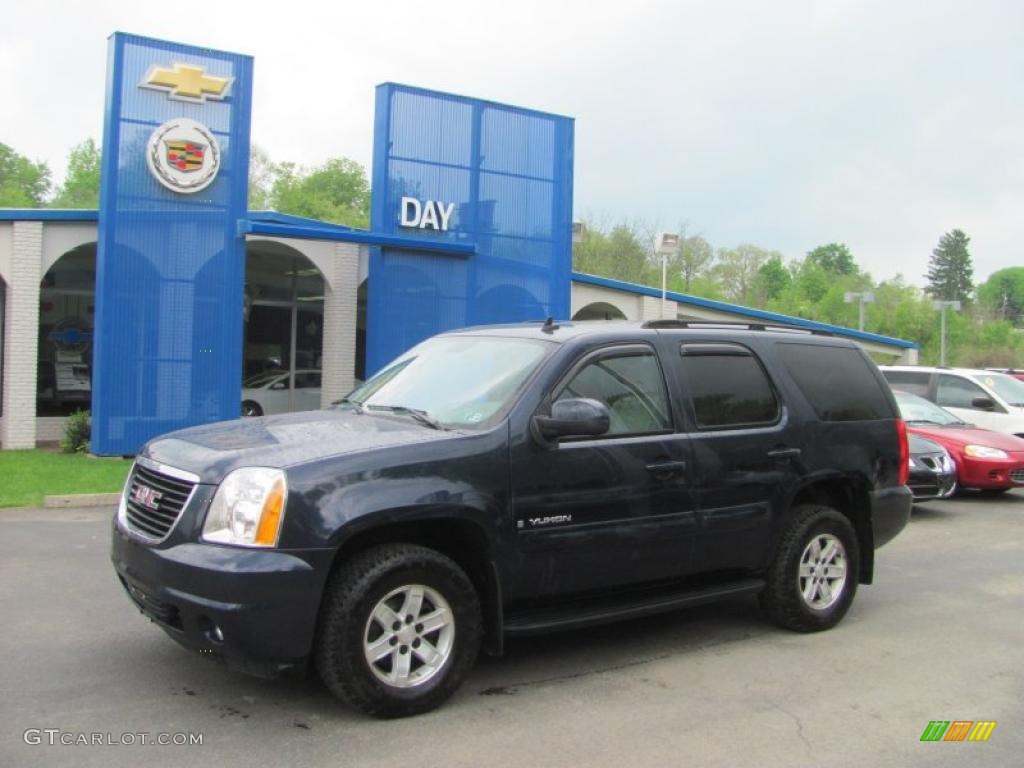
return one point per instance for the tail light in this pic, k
(901, 435)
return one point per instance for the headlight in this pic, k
(248, 508)
(984, 452)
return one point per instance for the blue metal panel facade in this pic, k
(508, 173)
(170, 267)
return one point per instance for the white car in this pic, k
(267, 393)
(989, 399)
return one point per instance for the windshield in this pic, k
(1007, 387)
(260, 379)
(917, 410)
(458, 381)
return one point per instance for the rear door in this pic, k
(746, 451)
(612, 510)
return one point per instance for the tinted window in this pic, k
(838, 382)
(956, 392)
(728, 390)
(632, 387)
(908, 381)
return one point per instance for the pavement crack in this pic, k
(799, 727)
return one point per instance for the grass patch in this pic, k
(27, 476)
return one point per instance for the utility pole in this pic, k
(862, 298)
(942, 306)
(665, 245)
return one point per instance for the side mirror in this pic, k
(577, 417)
(983, 404)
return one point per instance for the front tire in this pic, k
(399, 631)
(251, 409)
(813, 579)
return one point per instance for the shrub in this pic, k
(77, 430)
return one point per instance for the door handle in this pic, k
(784, 453)
(666, 468)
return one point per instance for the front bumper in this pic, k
(927, 483)
(890, 511)
(254, 609)
(991, 473)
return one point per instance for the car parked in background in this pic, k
(1016, 373)
(985, 459)
(270, 392)
(932, 470)
(987, 398)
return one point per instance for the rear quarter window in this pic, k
(914, 382)
(838, 382)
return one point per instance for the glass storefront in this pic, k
(284, 313)
(66, 309)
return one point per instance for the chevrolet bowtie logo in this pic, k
(186, 82)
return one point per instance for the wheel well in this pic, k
(852, 501)
(462, 541)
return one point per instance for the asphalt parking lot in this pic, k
(940, 636)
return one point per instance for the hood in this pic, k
(958, 437)
(213, 450)
(920, 445)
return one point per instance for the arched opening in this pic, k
(67, 298)
(284, 330)
(599, 310)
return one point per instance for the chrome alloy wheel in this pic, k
(409, 636)
(822, 573)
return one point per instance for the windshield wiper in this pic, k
(924, 421)
(421, 416)
(357, 406)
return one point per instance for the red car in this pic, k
(1010, 372)
(986, 460)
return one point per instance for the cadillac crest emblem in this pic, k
(183, 155)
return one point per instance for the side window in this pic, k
(908, 381)
(839, 382)
(956, 392)
(631, 384)
(728, 387)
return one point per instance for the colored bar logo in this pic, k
(958, 730)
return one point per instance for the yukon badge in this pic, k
(540, 522)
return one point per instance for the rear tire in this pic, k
(400, 629)
(251, 409)
(813, 579)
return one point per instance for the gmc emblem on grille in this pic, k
(146, 496)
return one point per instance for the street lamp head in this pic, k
(666, 244)
(940, 305)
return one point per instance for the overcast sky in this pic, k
(784, 124)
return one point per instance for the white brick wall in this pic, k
(651, 309)
(21, 336)
(339, 357)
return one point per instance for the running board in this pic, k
(606, 610)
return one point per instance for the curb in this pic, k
(82, 500)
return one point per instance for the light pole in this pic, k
(862, 298)
(666, 245)
(942, 306)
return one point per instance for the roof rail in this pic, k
(726, 324)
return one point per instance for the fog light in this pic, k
(216, 635)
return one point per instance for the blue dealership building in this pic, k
(167, 306)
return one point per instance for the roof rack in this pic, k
(726, 324)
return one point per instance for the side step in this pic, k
(593, 611)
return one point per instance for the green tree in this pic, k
(261, 178)
(694, 259)
(23, 183)
(773, 278)
(738, 269)
(336, 191)
(834, 258)
(619, 253)
(950, 271)
(81, 187)
(1003, 295)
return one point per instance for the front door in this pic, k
(612, 510)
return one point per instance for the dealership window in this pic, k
(67, 297)
(284, 314)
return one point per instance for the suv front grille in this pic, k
(154, 501)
